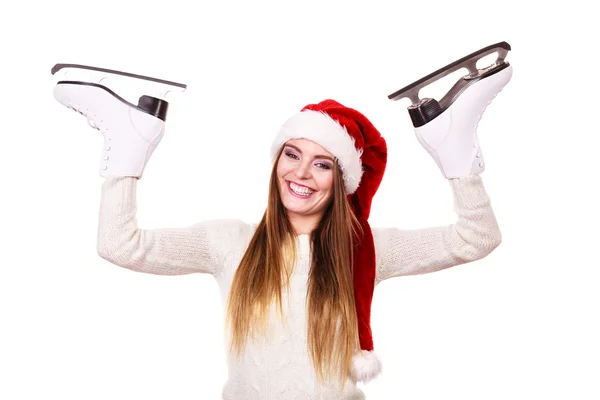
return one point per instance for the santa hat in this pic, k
(362, 155)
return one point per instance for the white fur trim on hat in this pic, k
(365, 366)
(323, 130)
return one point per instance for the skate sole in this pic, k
(147, 104)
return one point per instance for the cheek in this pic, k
(281, 168)
(285, 168)
(326, 182)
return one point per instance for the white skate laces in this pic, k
(91, 119)
(97, 125)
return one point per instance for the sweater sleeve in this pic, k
(473, 236)
(165, 251)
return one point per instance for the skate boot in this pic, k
(448, 129)
(131, 131)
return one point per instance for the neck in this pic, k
(304, 224)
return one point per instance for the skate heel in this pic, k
(154, 106)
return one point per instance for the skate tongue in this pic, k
(125, 84)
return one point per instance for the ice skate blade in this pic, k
(470, 62)
(122, 81)
(59, 67)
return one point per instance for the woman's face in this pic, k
(305, 176)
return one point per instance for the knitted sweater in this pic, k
(278, 368)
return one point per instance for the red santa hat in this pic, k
(362, 155)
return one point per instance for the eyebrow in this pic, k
(317, 156)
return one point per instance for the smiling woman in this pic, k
(313, 249)
(317, 244)
(305, 177)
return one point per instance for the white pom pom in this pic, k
(365, 366)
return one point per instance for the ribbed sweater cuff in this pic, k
(469, 192)
(119, 191)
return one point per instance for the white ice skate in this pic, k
(448, 129)
(131, 131)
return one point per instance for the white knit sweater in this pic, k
(278, 368)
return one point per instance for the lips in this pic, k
(296, 183)
(301, 196)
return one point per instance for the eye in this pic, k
(320, 165)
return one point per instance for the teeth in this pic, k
(300, 190)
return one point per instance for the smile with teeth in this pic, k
(300, 190)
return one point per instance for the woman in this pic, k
(297, 285)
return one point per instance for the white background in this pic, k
(519, 324)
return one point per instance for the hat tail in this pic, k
(366, 365)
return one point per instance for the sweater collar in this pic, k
(303, 243)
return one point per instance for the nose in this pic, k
(303, 170)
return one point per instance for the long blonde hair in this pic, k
(267, 264)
